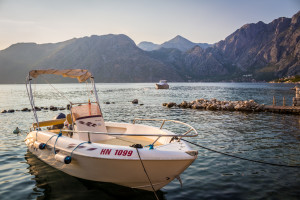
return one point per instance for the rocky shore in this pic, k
(54, 108)
(215, 104)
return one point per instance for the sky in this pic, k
(157, 21)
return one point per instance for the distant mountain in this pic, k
(111, 58)
(148, 46)
(178, 42)
(182, 44)
(267, 50)
(255, 51)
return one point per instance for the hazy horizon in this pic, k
(153, 21)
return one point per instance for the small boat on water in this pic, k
(163, 84)
(83, 145)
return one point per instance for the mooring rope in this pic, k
(242, 158)
(136, 147)
(58, 92)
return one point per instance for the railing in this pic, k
(174, 121)
(154, 135)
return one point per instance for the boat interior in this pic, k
(110, 127)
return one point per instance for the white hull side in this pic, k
(161, 166)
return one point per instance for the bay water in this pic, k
(263, 136)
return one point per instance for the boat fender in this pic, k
(42, 146)
(36, 144)
(63, 158)
(67, 159)
(39, 145)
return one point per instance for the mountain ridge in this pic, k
(257, 51)
(178, 42)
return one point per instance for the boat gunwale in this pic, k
(65, 151)
(140, 119)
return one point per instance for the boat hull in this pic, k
(159, 86)
(97, 165)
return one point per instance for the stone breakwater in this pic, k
(215, 104)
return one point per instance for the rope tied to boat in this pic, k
(59, 135)
(241, 158)
(137, 147)
(78, 146)
(44, 145)
(68, 159)
(151, 146)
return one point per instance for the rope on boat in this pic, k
(78, 146)
(59, 135)
(56, 89)
(241, 158)
(137, 146)
(50, 139)
(43, 145)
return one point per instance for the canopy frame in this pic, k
(82, 75)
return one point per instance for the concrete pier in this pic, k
(296, 99)
(283, 109)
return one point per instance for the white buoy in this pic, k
(36, 144)
(62, 158)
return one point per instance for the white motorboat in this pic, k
(83, 145)
(163, 84)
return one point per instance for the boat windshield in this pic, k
(82, 111)
(163, 81)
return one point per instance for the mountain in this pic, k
(111, 58)
(178, 42)
(148, 46)
(182, 44)
(258, 50)
(268, 50)
(255, 51)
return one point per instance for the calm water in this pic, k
(262, 136)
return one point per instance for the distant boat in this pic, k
(162, 85)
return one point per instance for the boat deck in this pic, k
(129, 140)
(120, 141)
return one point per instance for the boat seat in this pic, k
(50, 122)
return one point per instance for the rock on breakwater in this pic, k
(214, 104)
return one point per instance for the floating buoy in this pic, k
(42, 146)
(16, 131)
(63, 158)
(39, 145)
(135, 101)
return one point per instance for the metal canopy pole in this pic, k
(31, 99)
(96, 94)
